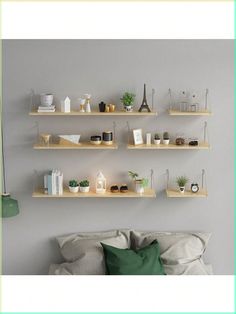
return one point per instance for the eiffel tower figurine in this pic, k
(144, 105)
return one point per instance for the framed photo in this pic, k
(138, 136)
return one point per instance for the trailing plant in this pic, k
(128, 99)
(157, 136)
(181, 181)
(84, 183)
(135, 178)
(73, 183)
(166, 136)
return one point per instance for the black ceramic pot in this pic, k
(107, 136)
(102, 106)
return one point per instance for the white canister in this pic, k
(148, 138)
(139, 187)
(46, 100)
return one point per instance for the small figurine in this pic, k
(87, 104)
(82, 103)
(144, 105)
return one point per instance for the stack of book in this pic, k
(46, 109)
(53, 182)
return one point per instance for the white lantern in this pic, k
(100, 183)
(65, 105)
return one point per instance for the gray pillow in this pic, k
(181, 253)
(84, 252)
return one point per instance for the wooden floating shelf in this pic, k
(169, 146)
(93, 113)
(189, 113)
(175, 193)
(85, 145)
(149, 193)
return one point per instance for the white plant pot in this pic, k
(166, 142)
(128, 108)
(182, 189)
(157, 142)
(74, 189)
(139, 188)
(84, 189)
(46, 100)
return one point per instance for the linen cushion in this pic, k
(181, 253)
(84, 254)
(145, 261)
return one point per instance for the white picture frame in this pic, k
(138, 136)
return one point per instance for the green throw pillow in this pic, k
(145, 261)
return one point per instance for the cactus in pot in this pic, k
(84, 186)
(166, 138)
(157, 139)
(73, 186)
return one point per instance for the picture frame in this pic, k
(138, 136)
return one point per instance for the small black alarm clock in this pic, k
(194, 187)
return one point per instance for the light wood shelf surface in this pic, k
(82, 145)
(169, 146)
(93, 113)
(187, 193)
(149, 193)
(189, 113)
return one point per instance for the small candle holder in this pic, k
(45, 139)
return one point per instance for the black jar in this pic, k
(102, 106)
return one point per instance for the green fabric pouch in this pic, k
(145, 261)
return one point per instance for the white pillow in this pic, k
(181, 253)
(84, 252)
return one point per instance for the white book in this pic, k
(54, 182)
(60, 184)
(46, 107)
(48, 110)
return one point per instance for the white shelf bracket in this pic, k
(151, 177)
(204, 178)
(206, 133)
(31, 103)
(153, 95)
(114, 130)
(206, 99)
(170, 99)
(129, 131)
(167, 178)
(35, 180)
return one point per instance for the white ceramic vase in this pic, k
(157, 142)
(74, 189)
(128, 108)
(182, 189)
(166, 142)
(84, 189)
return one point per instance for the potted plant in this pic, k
(157, 139)
(182, 181)
(128, 101)
(166, 138)
(73, 186)
(140, 183)
(84, 186)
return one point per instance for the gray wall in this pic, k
(106, 69)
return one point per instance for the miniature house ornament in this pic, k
(65, 105)
(100, 183)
